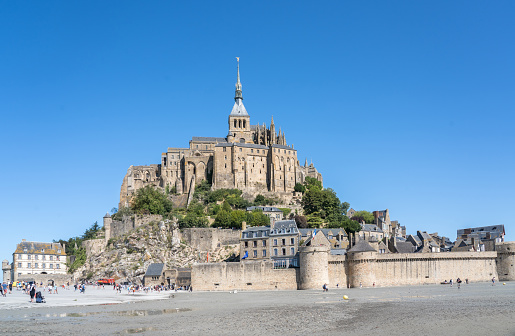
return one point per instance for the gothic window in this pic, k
(244, 124)
(239, 123)
(225, 157)
(242, 140)
(226, 165)
(235, 124)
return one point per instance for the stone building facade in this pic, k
(252, 158)
(35, 258)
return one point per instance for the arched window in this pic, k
(244, 124)
(235, 124)
(240, 123)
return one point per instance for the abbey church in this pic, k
(253, 158)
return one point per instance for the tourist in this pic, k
(493, 281)
(458, 281)
(360, 285)
(55, 289)
(10, 287)
(450, 281)
(2, 290)
(32, 292)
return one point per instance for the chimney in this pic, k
(243, 226)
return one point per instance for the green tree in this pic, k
(257, 218)
(312, 183)
(364, 215)
(223, 219)
(150, 200)
(237, 217)
(299, 188)
(286, 212)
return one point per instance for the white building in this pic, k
(38, 258)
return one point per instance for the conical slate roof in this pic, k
(361, 246)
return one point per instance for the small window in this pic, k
(246, 244)
(258, 151)
(240, 149)
(255, 243)
(264, 241)
(19, 264)
(292, 241)
(36, 265)
(42, 250)
(264, 253)
(28, 265)
(57, 266)
(275, 252)
(275, 242)
(225, 149)
(58, 251)
(255, 253)
(292, 250)
(51, 266)
(252, 151)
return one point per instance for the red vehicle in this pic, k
(106, 281)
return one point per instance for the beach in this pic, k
(474, 309)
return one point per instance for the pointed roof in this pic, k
(361, 246)
(238, 110)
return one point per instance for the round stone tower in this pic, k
(505, 261)
(361, 260)
(314, 270)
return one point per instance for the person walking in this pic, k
(493, 281)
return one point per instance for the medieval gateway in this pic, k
(252, 158)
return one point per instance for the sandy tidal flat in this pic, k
(475, 309)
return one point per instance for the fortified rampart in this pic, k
(251, 275)
(363, 268)
(116, 228)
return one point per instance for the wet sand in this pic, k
(475, 309)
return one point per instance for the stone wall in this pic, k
(252, 275)
(431, 268)
(338, 270)
(128, 223)
(208, 239)
(59, 279)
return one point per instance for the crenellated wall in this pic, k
(365, 269)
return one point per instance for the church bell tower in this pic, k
(239, 119)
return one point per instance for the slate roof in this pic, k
(361, 246)
(208, 139)
(155, 269)
(36, 248)
(405, 247)
(238, 110)
(255, 232)
(289, 226)
(283, 147)
(239, 144)
(338, 252)
(264, 209)
(371, 228)
(307, 232)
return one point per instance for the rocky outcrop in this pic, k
(126, 258)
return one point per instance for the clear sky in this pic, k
(405, 105)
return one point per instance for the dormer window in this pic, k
(25, 250)
(58, 251)
(42, 250)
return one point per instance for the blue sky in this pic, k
(406, 105)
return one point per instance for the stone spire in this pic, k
(238, 94)
(306, 163)
(238, 108)
(273, 136)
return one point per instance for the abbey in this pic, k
(252, 158)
